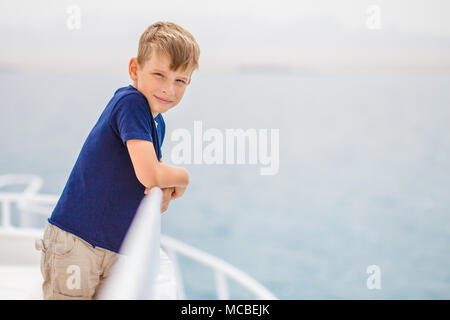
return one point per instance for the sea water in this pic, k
(363, 179)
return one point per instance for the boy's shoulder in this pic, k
(126, 97)
(130, 93)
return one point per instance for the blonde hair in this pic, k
(172, 40)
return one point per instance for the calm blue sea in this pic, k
(364, 175)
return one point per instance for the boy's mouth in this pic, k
(162, 100)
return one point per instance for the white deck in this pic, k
(20, 282)
(20, 274)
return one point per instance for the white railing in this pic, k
(134, 275)
(221, 269)
(34, 203)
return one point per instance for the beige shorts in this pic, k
(70, 266)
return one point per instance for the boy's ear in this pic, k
(132, 68)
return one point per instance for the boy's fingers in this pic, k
(166, 194)
(174, 194)
(164, 207)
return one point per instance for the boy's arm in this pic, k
(173, 192)
(152, 173)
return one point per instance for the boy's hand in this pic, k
(168, 194)
(178, 192)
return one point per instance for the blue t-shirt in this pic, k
(103, 193)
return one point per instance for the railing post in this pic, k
(178, 278)
(222, 288)
(6, 214)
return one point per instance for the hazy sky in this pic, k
(306, 34)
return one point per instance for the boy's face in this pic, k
(162, 87)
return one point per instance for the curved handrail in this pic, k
(220, 266)
(173, 246)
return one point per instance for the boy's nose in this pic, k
(168, 90)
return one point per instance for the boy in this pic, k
(119, 163)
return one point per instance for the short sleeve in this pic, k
(130, 118)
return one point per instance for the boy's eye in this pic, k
(160, 75)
